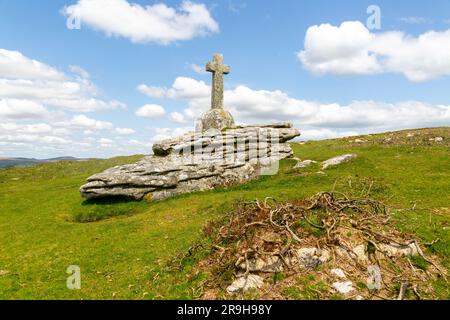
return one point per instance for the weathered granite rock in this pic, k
(217, 154)
(245, 283)
(343, 287)
(338, 160)
(271, 264)
(374, 280)
(214, 138)
(304, 164)
(338, 272)
(215, 119)
(195, 162)
(396, 250)
(312, 257)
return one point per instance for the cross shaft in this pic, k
(218, 69)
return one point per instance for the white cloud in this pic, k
(23, 79)
(316, 119)
(82, 121)
(14, 64)
(177, 117)
(83, 74)
(352, 49)
(197, 69)
(182, 88)
(142, 24)
(167, 133)
(105, 141)
(21, 109)
(125, 131)
(33, 138)
(36, 105)
(151, 111)
(188, 88)
(320, 134)
(153, 92)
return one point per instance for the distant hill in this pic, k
(15, 162)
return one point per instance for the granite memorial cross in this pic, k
(218, 69)
(162, 176)
(217, 117)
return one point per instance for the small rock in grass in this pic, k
(374, 280)
(338, 160)
(244, 283)
(312, 257)
(338, 272)
(304, 164)
(361, 253)
(358, 253)
(269, 264)
(437, 139)
(396, 250)
(343, 287)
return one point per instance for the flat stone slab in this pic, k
(338, 160)
(195, 162)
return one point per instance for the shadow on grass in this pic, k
(108, 201)
(93, 210)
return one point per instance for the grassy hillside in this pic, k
(125, 254)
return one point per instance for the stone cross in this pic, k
(218, 69)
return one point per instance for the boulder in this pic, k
(397, 250)
(196, 162)
(216, 119)
(338, 160)
(304, 164)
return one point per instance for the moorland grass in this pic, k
(123, 247)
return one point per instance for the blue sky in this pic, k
(260, 40)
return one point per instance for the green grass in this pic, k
(124, 253)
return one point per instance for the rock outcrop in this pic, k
(196, 162)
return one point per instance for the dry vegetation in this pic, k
(265, 238)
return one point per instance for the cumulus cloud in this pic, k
(14, 64)
(197, 69)
(183, 88)
(352, 49)
(167, 133)
(82, 121)
(316, 119)
(40, 111)
(177, 117)
(153, 92)
(30, 82)
(21, 109)
(125, 131)
(151, 111)
(143, 24)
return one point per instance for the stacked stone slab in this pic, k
(196, 162)
(218, 154)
